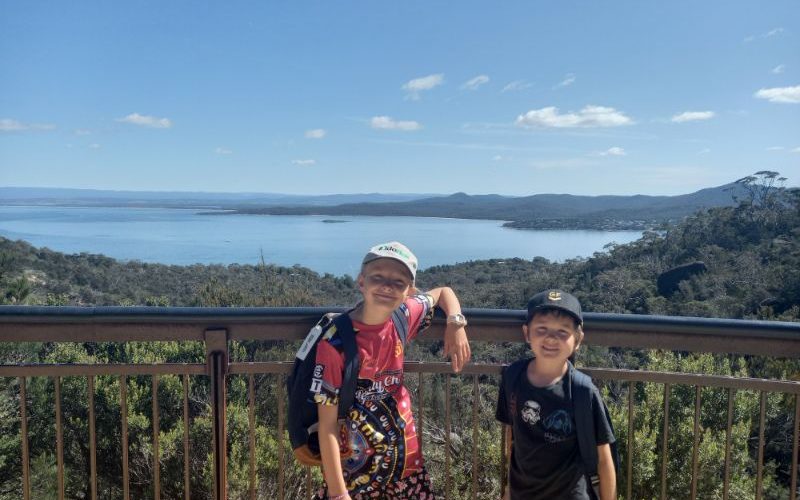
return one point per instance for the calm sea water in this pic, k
(183, 237)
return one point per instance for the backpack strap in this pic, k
(400, 321)
(511, 374)
(581, 387)
(347, 393)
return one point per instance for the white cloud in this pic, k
(83, 131)
(223, 151)
(704, 151)
(779, 69)
(316, 133)
(768, 34)
(9, 125)
(498, 158)
(146, 121)
(388, 123)
(789, 95)
(589, 116)
(775, 148)
(476, 82)
(613, 151)
(568, 80)
(796, 150)
(94, 146)
(304, 163)
(692, 116)
(517, 85)
(417, 85)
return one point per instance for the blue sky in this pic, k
(515, 98)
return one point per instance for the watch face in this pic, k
(457, 319)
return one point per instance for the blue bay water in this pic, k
(183, 237)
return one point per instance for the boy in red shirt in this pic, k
(375, 452)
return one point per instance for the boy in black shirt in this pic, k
(539, 406)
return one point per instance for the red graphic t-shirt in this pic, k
(378, 440)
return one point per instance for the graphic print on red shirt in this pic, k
(378, 441)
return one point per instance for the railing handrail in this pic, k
(87, 324)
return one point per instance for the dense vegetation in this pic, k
(751, 257)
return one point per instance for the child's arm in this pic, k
(329, 449)
(456, 344)
(607, 473)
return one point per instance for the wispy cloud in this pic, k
(704, 151)
(768, 34)
(789, 95)
(568, 80)
(613, 151)
(417, 85)
(223, 151)
(779, 69)
(304, 163)
(83, 131)
(589, 116)
(94, 146)
(692, 116)
(775, 148)
(517, 85)
(388, 123)
(9, 125)
(796, 150)
(316, 133)
(475, 83)
(146, 121)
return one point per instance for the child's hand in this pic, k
(456, 346)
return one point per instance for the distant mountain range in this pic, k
(182, 199)
(540, 211)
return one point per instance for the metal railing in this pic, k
(217, 328)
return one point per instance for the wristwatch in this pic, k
(457, 319)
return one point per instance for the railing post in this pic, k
(217, 368)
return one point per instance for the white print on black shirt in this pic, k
(531, 412)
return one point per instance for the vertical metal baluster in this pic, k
(447, 481)
(665, 444)
(186, 456)
(696, 443)
(308, 482)
(793, 487)
(728, 436)
(123, 409)
(156, 464)
(252, 415)
(59, 442)
(281, 412)
(505, 455)
(421, 414)
(23, 422)
(760, 464)
(629, 487)
(92, 439)
(475, 399)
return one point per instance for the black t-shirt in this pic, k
(545, 459)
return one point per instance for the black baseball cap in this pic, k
(555, 299)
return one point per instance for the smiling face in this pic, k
(384, 283)
(552, 336)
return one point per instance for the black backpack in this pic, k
(303, 418)
(581, 386)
